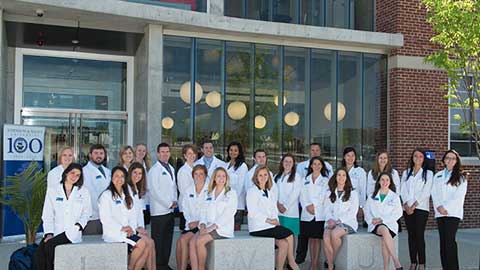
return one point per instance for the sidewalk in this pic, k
(468, 241)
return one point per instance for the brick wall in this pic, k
(417, 110)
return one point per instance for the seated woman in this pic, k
(263, 217)
(382, 211)
(137, 183)
(340, 213)
(312, 199)
(118, 218)
(216, 219)
(193, 203)
(66, 211)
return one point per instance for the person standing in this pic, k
(209, 159)
(142, 155)
(448, 196)
(259, 159)
(237, 170)
(184, 178)
(415, 194)
(358, 177)
(163, 200)
(65, 158)
(126, 157)
(97, 177)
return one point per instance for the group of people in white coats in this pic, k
(213, 196)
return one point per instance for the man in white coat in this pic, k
(96, 177)
(163, 200)
(208, 159)
(302, 169)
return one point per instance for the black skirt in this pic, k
(376, 227)
(134, 238)
(312, 229)
(277, 232)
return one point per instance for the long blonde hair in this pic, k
(59, 157)
(146, 159)
(124, 149)
(213, 183)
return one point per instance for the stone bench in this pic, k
(242, 252)
(362, 250)
(92, 253)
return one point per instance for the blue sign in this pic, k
(22, 144)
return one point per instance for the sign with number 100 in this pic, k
(23, 142)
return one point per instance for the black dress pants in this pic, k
(45, 254)
(162, 234)
(416, 223)
(447, 229)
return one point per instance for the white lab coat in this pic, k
(249, 179)
(184, 181)
(215, 164)
(96, 183)
(346, 212)
(237, 182)
(139, 205)
(60, 215)
(452, 198)
(359, 183)
(371, 182)
(162, 188)
(390, 210)
(302, 168)
(220, 211)
(55, 176)
(261, 207)
(289, 195)
(114, 215)
(194, 203)
(316, 194)
(416, 189)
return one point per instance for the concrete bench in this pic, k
(92, 253)
(362, 250)
(242, 252)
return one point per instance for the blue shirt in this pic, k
(167, 167)
(207, 161)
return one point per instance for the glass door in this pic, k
(78, 129)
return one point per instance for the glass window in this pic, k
(375, 99)
(268, 132)
(71, 83)
(234, 8)
(208, 74)
(364, 14)
(312, 12)
(349, 108)
(239, 86)
(322, 102)
(258, 10)
(194, 5)
(294, 109)
(176, 98)
(338, 12)
(285, 11)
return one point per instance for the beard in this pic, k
(98, 163)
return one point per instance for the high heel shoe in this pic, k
(400, 268)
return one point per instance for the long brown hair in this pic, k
(213, 183)
(332, 184)
(141, 187)
(115, 194)
(377, 184)
(269, 183)
(124, 149)
(281, 169)
(457, 171)
(376, 168)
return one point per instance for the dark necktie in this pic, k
(100, 168)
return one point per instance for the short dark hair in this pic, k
(160, 145)
(70, 168)
(315, 144)
(207, 141)
(259, 151)
(96, 147)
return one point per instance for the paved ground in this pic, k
(468, 243)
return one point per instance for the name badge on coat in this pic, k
(59, 199)
(98, 177)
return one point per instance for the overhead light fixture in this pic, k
(341, 111)
(213, 99)
(237, 110)
(185, 92)
(260, 121)
(292, 119)
(76, 39)
(167, 122)
(275, 100)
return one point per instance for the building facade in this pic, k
(271, 74)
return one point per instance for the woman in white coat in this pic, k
(357, 175)
(340, 213)
(193, 203)
(263, 217)
(137, 184)
(415, 193)
(65, 213)
(184, 178)
(126, 156)
(142, 156)
(312, 199)
(65, 158)
(216, 219)
(237, 170)
(289, 186)
(119, 221)
(382, 210)
(382, 164)
(448, 196)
